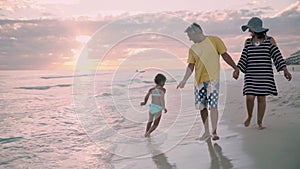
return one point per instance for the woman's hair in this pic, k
(261, 35)
(159, 78)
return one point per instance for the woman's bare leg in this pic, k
(249, 104)
(261, 108)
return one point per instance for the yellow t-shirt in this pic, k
(206, 57)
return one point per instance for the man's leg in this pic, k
(201, 104)
(213, 103)
(204, 117)
(249, 104)
(214, 122)
(261, 108)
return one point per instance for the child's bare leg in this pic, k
(214, 123)
(148, 127)
(250, 104)
(204, 117)
(153, 127)
(261, 107)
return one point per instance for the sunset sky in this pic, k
(50, 34)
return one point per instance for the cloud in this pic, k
(49, 44)
(291, 11)
(40, 44)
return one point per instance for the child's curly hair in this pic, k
(159, 78)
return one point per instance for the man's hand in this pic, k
(181, 84)
(236, 73)
(166, 110)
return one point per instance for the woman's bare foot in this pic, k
(247, 121)
(260, 127)
(147, 134)
(215, 137)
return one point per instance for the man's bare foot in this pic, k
(215, 137)
(247, 121)
(260, 127)
(205, 136)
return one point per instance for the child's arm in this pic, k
(162, 99)
(146, 98)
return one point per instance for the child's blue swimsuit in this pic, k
(154, 108)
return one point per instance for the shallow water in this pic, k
(57, 119)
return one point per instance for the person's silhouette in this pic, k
(218, 160)
(159, 158)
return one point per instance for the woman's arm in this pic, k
(242, 63)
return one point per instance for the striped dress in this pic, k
(256, 64)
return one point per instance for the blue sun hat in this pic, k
(255, 24)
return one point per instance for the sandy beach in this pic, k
(42, 127)
(275, 147)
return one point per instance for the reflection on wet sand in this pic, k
(159, 158)
(218, 160)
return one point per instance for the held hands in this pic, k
(181, 84)
(236, 73)
(166, 110)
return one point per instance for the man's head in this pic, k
(193, 32)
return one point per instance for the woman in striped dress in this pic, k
(256, 63)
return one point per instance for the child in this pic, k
(157, 103)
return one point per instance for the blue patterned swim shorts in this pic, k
(207, 93)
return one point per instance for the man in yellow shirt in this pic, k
(204, 57)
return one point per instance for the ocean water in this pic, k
(66, 119)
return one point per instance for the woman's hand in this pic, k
(287, 75)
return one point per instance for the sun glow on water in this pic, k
(83, 38)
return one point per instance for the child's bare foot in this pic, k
(147, 134)
(215, 137)
(260, 127)
(247, 121)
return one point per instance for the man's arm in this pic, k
(227, 58)
(188, 73)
